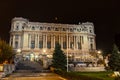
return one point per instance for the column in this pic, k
(35, 40)
(46, 40)
(13, 43)
(30, 41)
(43, 41)
(59, 39)
(19, 41)
(54, 41)
(61, 42)
(38, 40)
(69, 42)
(74, 41)
(25, 40)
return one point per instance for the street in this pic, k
(34, 76)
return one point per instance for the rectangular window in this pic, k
(64, 45)
(40, 44)
(16, 44)
(16, 36)
(48, 45)
(32, 44)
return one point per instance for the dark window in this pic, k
(90, 31)
(64, 29)
(71, 29)
(41, 28)
(64, 45)
(91, 46)
(48, 45)
(49, 28)
(16, 44)
(17, 27)
(56, 29)
(74, 28)
(33, 28)
(32, 44)
(40, 44)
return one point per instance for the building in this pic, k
(35, 39)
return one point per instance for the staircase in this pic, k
(29, 66)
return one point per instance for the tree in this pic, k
(6, 51)
(59, 58)
(114, 60)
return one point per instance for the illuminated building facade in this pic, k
(35, 39)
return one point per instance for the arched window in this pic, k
(33, 28)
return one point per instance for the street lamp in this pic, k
(18, 51)
(99, 52)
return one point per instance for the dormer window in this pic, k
(71, 30)
(41, 28)
(49, 28)
(90, 31)
(33, 28)
(17, 27)
(56, 29)
(64, 29)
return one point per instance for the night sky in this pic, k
(103, 13)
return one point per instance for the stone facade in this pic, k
(35, 39)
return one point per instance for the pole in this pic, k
(67, 48)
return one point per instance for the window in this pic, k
(90, 31)
(40, 44)
(74, 28)
(32, 44)
(91, 46)
(91, 39)
(41, 28)
(33, 28)
(48, 45)
(71, 29)
(64, 45)
(17, 27)
(16, 36)
(56, 29)
(49, 28)
(64, 29)
(16, 44)
(22, 27)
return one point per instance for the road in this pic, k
(34, 76)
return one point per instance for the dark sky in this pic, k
(103, 13)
